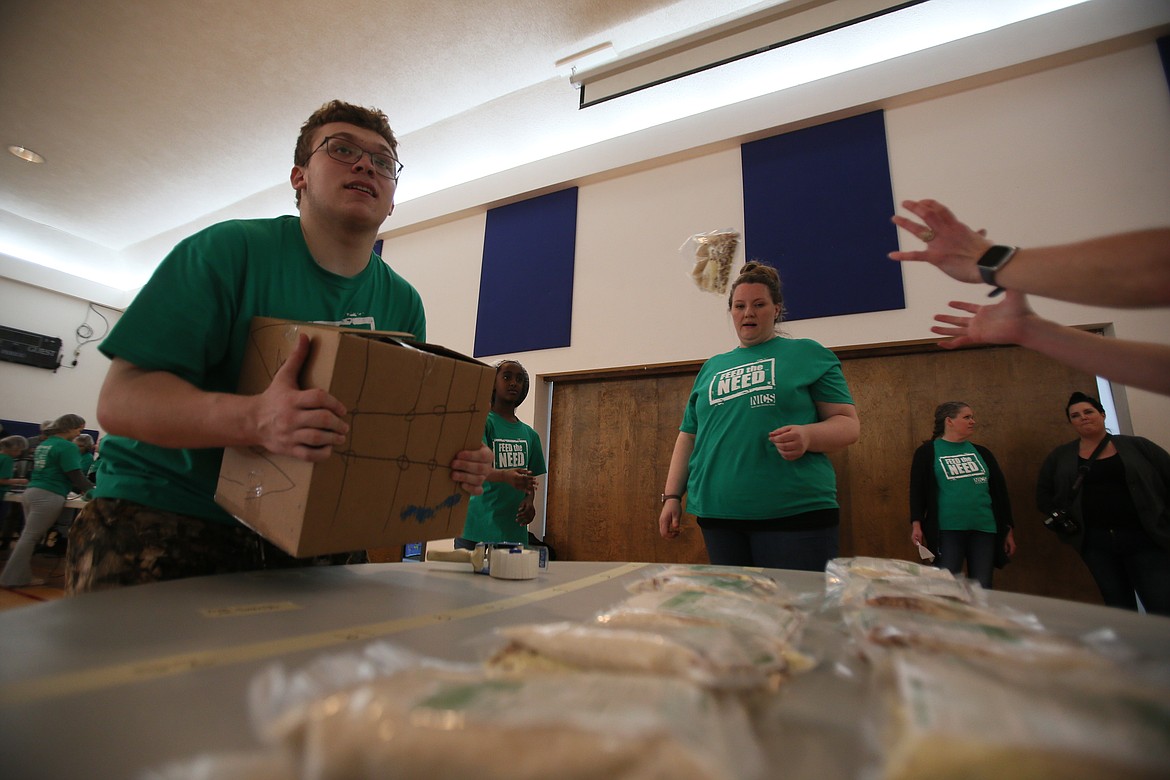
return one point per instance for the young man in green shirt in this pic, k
(169, 403)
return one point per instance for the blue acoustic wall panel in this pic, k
(817, 206)
(526, 282)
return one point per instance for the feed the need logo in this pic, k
(510, 453)
(963, 466)
(757, 378)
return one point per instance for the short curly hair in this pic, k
(340, 111)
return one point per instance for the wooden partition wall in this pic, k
(612, 433)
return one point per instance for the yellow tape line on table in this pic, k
(166, 666)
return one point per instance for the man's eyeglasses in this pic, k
(348, 152)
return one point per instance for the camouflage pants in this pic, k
(114, 543)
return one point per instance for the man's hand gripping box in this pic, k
(411, 408)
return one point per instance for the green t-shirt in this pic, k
(54, 457)
(192, 319)
(740, 397)
(492, 516)
(964, 492)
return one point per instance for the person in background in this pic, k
(91, 474)
(1083, 272)
(11, 448)
(505, 509)
(24, 464)
(85, 449)
(168, 403)
(751, 453)
(35, 441)
(959, 501)
(1122, 507)
(56, 472)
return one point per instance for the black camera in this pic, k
(1062, 523)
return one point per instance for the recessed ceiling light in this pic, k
(26, 154)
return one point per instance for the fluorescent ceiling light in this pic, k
(912, 29)
(779, 42)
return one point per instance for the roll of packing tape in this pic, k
(514, 564)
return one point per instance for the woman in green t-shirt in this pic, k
(959, 502)
(56, 471)
(751, 453)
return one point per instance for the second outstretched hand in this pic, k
(1134, 363)
(1005, 322)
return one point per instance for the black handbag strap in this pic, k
(1083, 469)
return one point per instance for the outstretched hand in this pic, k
(305, 424)
(951, 246)
(1001, 323)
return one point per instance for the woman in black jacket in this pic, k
(959, 502)
(1121, 511)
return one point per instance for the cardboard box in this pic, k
(411, 408)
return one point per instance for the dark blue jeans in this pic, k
(976, 549)
(801, 550)
(1127, 561)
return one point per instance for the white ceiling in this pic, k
(152, 113)
(157, 115)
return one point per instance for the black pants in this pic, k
(1125, 562)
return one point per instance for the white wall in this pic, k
(36, 394)
(1066, 153)
(1074, 151)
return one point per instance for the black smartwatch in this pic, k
(992, 261)
(667, 496)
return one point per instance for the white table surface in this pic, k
(107, 684)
